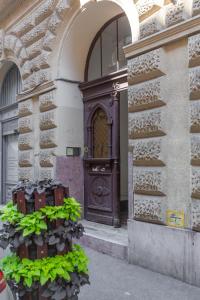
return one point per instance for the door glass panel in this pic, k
(109, 49)
(124, 37)
(100, 135)
(94, 70)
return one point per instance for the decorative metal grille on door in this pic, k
(100, 134)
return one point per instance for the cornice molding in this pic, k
(169, 35)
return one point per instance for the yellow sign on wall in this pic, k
(175, 218)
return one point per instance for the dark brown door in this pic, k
(101, 159)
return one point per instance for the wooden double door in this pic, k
(102, 149)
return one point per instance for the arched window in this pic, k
(106, 53)
(11, 87)
(100, 134)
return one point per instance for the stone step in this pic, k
(106, 239)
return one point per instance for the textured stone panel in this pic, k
(149, 210)
(46, 173)
(48, 139)
(25, 108)
(196, 183)
(147, 7)
(148, 182)
(195, 117)
(35, 49)
(26, 173)
(195, 83)
(46, 158)
(25, 124)
(195, 151)
(25, 158)
(150, 27)
(146, 124)
(40, 61)
(196, 215)
(48, 120)
(44, 11)
(196, 7)
(25, 141)
(35, 34)
(24, 26)
(146, 66)
(47, 101)
(194, 50)
(145, 96)
(175, 13)
(147, 153)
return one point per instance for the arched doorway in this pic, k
(11, 86)
(106, 125)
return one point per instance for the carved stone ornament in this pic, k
(196, 7)
(149, 27)
(147, 7)
(48, 139)
(195, 117)
(26, 174)
(149, 210)
(46, 158)
(47, 101)
(195, 151)
(48, 120)
(194, 50)
(175, 13)
(146, 66)
(194, 83)
(147, 153)
(196, 215)
(148, 182)
(25, 158)
(196, 184)
(25, 141)
(144, 125)
(145, 96)
(25, 124)
(25, 108)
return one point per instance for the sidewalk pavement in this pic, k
(113, 279)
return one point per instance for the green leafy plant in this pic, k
(32, 223)
(10, 214)
(46, 269)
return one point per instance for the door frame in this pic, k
(112, 85)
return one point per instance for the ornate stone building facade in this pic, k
(49, 41)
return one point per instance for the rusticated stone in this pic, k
(40, 61)
(1, 42)
(23, 56)
(148, 182)
(44, 11)
(25, 124)
(18, 47)
(26, 173)
(35, 34)
(46, 158)
(9, 42)
(25, 158)
(145, 96)
(35, 49)
(46, 173)
(25, 141)
(47, 120)
(48, 41)
(54, 22)
(195, 83)
(146, 66)
(195, 117)
(196, 183)
(196, 215)
(150, 27)
(48, 139)
(196, 7)
(26, 70)
(25, 108)
(175, 13)
(147, 7)
(62, 7)
(24, 26)
(47, 101)
(149, 210)
(194, 50)
(147, 153)
(146, 124)
(195, 151)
